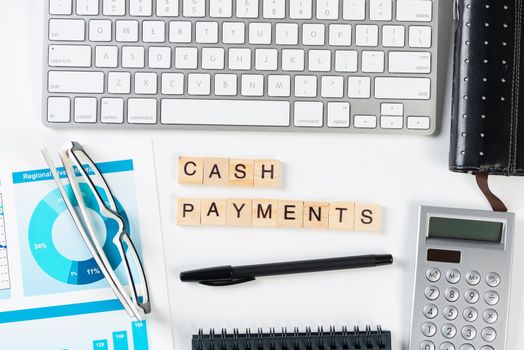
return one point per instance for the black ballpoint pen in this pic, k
(229, 275)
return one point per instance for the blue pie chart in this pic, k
(50, 259)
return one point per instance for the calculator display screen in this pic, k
(473, 230)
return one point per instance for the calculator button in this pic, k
(450, 313)
(471, 296)
(430, 311)
(433, 274)
(469, 332)
(473, 278)
(427, 345)
(431, 293)
(453, 276)
(486, 347)
(488, 334)
(448, 331)
(490, 316)
(451, 294)
(491, 298)
(470, 314)
(493, 279)
(447, 346)
(429, 329)
(467, 347)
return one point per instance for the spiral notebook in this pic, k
(367, 339)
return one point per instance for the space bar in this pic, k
(225, 112)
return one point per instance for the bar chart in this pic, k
(4, 266)
(122, 340)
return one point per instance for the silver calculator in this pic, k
(462, 284)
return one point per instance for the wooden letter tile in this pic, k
(190, 170)
(368, 217)
(216, 171)
(316, 215)
(213, 212)
(187, 212)
(239, 212)
(342, 216)
(290, 213)
(241, 172)
(267, 173)
(264, 212)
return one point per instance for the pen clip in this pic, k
(227, 282)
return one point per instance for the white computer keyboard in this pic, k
(337, 65)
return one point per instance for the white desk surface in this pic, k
(398, 172)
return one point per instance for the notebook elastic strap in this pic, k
(495, 202)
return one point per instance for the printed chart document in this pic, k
(53, 295)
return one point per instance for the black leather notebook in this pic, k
(487, 133)
(330, 340)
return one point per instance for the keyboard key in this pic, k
(60, 7)
(58, 109)
(225, 112)
(359, 87)
(313, 34)
(300, 9)
(414, 10)
(199, 84)
(69, 56)
(319, 60)
(87, 7)
(309, 114)
(140, 8)
(346, 61)
(194, 8)
(293, 60)
(239, 59)
(172, 83)
(76, 82)
(274, 8)
(305, 86)
(354, 10)
(247, 8)
(114, 7)
(327, 9)
(402, 88)
(286, 34)
(180, 32)
(252, 85)
(141, 111)
(380, 10)
(233, 33)
(167, 8)
(338, 114)
(279, 85)
(418, 123)
(260, 33)
(365, 121)
(66, 30)
(133, 57)
(186, 57)
(221, 8)
(393, 36)
(372, 61)
(85, 110)
(225, 84)
(159, 57)
(393, 109)
(410, 62)
(366, 35)
(106, 56)
(266, 59)
(154, 32)
(112, 111)
(420, 36)
(119, 83)
(127, 31)
(332, 86)
(212, 58)
(206, 32)
(100, 30)
(145, 83)
(391, 122)
(340, 35)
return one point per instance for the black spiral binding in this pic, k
(370, 339)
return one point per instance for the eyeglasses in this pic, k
(84, 176)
